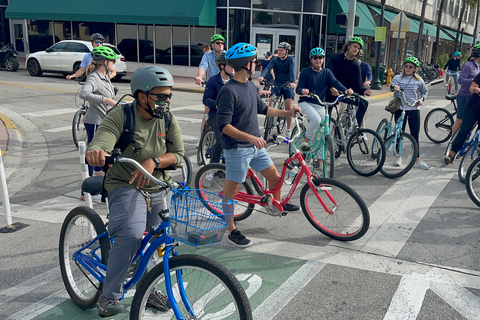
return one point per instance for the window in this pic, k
(40, 35)
(180, 44)
(127, 41)
(310, 38)
(62, 30)
(276, 20)
(59, 47)
(313, 6)
(239, 25)
(163, 35)
(283, 5)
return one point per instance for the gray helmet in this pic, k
(148, 77)
(97, 36)
(220, 59)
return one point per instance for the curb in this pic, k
(11, 131)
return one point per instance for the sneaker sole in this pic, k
(239, 245)
(159, 308)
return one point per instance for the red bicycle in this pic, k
(331, 206)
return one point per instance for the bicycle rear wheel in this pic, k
(400, 159)
(335, 130)
(281, 121)
(438, 125)
(472, 181)
(212, 291)
(268, 127)
(347, 217)
(80, 227)
(211, 178)
(327, 168)
(207, 141)
(365, 152)
(467, 159)
(183, 171)
(78, 128)
(382, 129)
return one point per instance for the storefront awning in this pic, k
(465, 38)
(179, 12)
(366, 23)
(414, 24)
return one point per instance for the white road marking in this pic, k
(60, 129)
(48, 113)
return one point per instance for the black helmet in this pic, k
(96, 36)
(220, 59)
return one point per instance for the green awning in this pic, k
(366, 23)
(465, 38)
(414, 23)
(178, 12)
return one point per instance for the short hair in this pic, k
(275, 52)
(205, 46)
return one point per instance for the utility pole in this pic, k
(376, 85)
(351, 19)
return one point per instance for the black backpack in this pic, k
(129, 126)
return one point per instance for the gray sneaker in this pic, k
(421, 165)
(158, 301)
(109, 307)
(239, 240)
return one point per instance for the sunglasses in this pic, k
(408, 67)
(161, 96)
(317, 57)
(219, 43)
(97, 41)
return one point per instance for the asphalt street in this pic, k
(419, 259)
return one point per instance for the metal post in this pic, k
(398, 41)
(376, 85)
(81, 149)
(461, 38)
(351, 19)
(5, 198)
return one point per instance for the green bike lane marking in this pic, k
(270, 281)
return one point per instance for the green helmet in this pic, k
(357, 40)
(477, 46)
(476, 51)
(217, 37)
(148, 77)
(103, 52)
(412, 60)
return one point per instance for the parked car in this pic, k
(180, 55)
(65, 57)
(128, 47)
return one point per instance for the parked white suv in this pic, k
(65, 57)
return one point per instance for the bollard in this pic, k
(81, 149)
(5, 198)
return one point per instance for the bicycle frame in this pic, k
(348, 112)
(397, 129)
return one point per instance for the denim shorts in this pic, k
(237, 161)
(287, 92)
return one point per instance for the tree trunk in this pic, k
(475, 30)
(460, 20)
(420, 30)
(439, 25)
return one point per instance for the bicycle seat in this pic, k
(93, 185)
(451, 97)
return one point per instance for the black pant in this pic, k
(362, 105)
(469, 118)
(413, 119)
(217, 148)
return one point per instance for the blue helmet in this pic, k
(316, 52)
(457, 54)
(240, 54)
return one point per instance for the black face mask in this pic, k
(162, 106)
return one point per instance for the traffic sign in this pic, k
(395, 24)
(380, 33)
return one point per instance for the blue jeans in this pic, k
(454, 74)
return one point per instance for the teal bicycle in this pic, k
(401, 148)
(196, 286)
(320, 145)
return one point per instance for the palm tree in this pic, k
(420, 29)
(460, 19)
(475, 30)
(439, 25)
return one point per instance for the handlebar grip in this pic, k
(272, 139)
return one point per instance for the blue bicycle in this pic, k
(469, 151)
(196, 286)
(401, 147)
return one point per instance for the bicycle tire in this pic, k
(450, 143)
(178, 175)
(212, 290)
(382, 129)
(467, 159)
(438, 125)
(79, 133)
(211, 178)
(281, 121)
(349, 218)
(328, 169)
(75, 234)
(472, 181)
(337, 136)
(408, 152)
(360, 152)
(207, 141)
(268, 127)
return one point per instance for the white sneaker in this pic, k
(288, 133)
(398, 162)
(97, 197)
(421, 165)
(305, 147)
(197, 144)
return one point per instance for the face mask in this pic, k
(161, 108)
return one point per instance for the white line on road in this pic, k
(60, 129)
(41, 306)
(48, 113)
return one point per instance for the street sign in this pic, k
(395, 35)
(395, 24)
(380, 33)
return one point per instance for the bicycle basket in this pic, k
(198, 222)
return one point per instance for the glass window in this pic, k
(59, 47)
(163, 35)
(310, 38)
(283, 5)
(71, 47)
(145, 33)
(62, 30)
(127, 41)
(40, 35)
(199, 36)
(275, 20)
(313, 6)
(180, 45)
(239, 24)
(450, 7)
(4, 2)
(221, 3)
(4, 28)
(241, 3)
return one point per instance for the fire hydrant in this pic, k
(389, 76)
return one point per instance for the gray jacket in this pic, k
(96, 87)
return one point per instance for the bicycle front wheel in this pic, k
(211, 178)
(78, 128)
(183, 171)
(365, 152)
(472, 181)
(268, 127)
(294, 133)
(467, 159)
(382, 129)
(211, 291)
(80, 227)
(438, 125)
(327, 168)
(281, 121)
(207, 141)
(400, 157)
(342, 216)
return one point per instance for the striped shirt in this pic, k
(414, 90)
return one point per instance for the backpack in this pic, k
(129, 126)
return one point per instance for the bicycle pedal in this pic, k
(284, 213)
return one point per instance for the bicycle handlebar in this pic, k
(340, 97)
(415, 104)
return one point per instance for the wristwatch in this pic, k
(157, 162)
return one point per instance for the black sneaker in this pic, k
(109, 307)
(290, 207)
(239, 240)
(158, 301)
